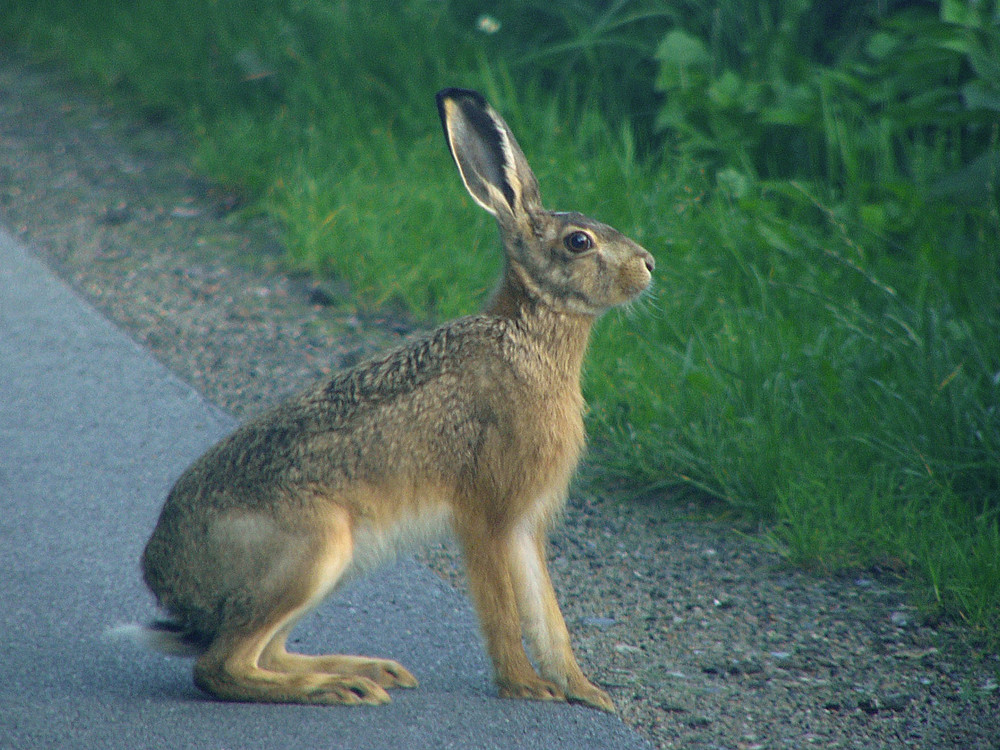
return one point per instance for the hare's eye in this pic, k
(578, 242)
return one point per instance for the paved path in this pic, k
(92, 433)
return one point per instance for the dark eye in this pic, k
(578, 242)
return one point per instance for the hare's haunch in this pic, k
(476, 427)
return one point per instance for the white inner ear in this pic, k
(459, 133)
(473, 155)
(497, 198)
(509, 162)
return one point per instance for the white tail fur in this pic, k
(158, 636)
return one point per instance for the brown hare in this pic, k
(476, 426)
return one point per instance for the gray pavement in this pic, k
(93, 431)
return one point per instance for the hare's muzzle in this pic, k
(634, 275)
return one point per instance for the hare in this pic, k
(476, 426)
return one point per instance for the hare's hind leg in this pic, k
(229, 670)
(383, 672)
(249, 663)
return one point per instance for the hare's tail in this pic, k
(166, 636)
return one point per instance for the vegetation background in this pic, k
(820, 183)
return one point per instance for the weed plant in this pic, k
(818, 181)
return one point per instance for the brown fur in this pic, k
(477, 426)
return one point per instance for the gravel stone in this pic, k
(702, 634)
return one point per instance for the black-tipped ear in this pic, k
(489, 160)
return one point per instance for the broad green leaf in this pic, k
(678, 53)
(977, 95)
(955, 11)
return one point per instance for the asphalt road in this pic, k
(93, 431)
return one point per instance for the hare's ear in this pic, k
(492, 166)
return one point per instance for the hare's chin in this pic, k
(636, 290)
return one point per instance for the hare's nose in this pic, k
(649, 261)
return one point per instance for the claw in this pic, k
(538, 690)
(592, 696)
(352, 691)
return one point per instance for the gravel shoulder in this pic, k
(702, 635)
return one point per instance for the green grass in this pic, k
(820, 349)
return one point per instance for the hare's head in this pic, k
(564, 260)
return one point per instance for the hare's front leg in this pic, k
(544, 625)
(490, 561)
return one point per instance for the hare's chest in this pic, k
(551, 462)
(556, 438)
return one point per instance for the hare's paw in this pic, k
(535, 689)
(387, 673)
(348, 690)
(590, 695)
(383, 672)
